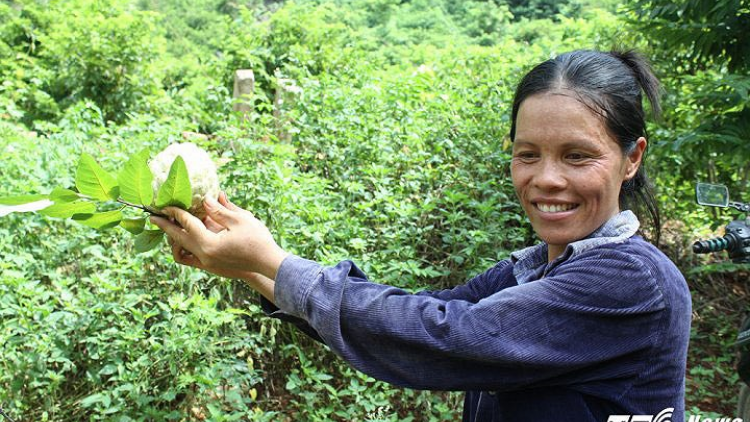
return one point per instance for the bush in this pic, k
(391, 150)
(102, 53)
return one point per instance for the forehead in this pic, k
(557, 118)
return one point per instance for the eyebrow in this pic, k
(567, 144)
(522, 143)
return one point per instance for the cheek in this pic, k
(599, 190)
(518, 176)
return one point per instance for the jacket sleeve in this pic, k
(270, 309)
(589, 311)
(499, 277)
(496, 278)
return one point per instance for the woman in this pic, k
(592, 322)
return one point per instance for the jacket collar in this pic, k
(530, 264)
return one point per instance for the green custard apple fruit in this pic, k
(204, 180)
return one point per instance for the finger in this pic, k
(190, 259)
(180, 254)
(219, 213)
(186, 230)
(212, 225)
(177, 252)
(187, 221)
(167, 226)
(185, 257)
(223, 200)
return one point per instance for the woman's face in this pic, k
(567, 169)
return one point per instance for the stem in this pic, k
(142, 207)
(6, 415)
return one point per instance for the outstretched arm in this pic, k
(230, 242)
(575, 326)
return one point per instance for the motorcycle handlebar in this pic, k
(717, 244)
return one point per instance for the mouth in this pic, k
(554, 208)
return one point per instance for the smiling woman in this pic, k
(567, 169)
(593, 321)
(610, 87)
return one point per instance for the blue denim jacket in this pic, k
(601, 330)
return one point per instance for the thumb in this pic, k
(219, 213)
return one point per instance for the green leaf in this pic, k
(21, 199)
(25, 207)
(134, 225)
(214, 410)
(112, 409)
(100, 220)
(70, 209)
(176, 190)
(135, 180)
(148, 240)
(93, 181)
(96, 398)
(108, 369)
(63, 196)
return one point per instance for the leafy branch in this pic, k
(95, 188)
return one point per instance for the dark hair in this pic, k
(611, 85)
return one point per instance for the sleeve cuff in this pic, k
(273, 311)
(294, 280)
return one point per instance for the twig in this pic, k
(144, 208)
(2, 412)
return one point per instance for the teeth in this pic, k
(555, 207)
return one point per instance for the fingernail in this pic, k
(210, 202)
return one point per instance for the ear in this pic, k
(633, 161)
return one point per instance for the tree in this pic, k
(701, 48)
(540, 9)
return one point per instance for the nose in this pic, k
(550, 176)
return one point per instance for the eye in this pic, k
(576, 156)
(526, 155)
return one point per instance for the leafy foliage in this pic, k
(538, 9)
(94, 183)
(701, 49)
(701, 32)
(388, 146)
(101, 51)
(135, 179)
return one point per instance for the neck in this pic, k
(553, 251)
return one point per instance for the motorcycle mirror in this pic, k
(712, 195)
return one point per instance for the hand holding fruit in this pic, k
(179, 188)
(181, 175)
(230, 241)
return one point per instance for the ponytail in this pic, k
(638, 194)
(644, 74)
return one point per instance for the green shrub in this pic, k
(101, 52)
(392, 151)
